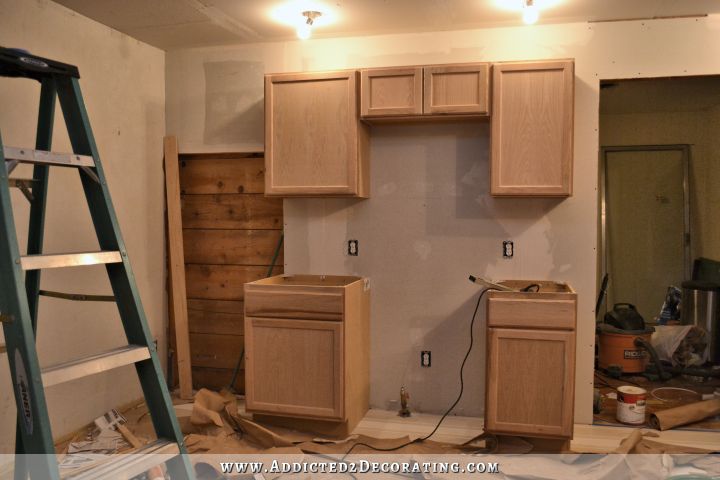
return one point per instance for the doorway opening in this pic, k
(660, 245)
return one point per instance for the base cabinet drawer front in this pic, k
(294, 367)
(532, 128)
(391, 92)
(294, 302)
(530, 382)
(459, 89)
(536, 313)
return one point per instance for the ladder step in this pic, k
(93, 364)
(37, 262)
(131, 465)
(28, 155)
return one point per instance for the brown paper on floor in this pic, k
(638, 442)
(207, 408)
(675, 417)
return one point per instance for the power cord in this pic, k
(462, 388)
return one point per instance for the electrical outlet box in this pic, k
(425, 358)
(353, 246)
(508, 249)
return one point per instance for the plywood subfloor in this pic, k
(664, 398)
(588, 438)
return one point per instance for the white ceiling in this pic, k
(172, 24)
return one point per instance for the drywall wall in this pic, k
(698, 128)
(429, 221)
(123, 86)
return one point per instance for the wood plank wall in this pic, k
(230, 231)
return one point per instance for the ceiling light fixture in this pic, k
(530, 13)
(305, 29)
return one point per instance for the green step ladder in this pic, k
(20, 283)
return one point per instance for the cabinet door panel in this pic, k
(462, 89)
(391, 92)
(532, 129)
(311, 134)
(294, 367)
(530, 382)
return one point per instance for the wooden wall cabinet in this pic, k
(391, 91)
(457, 89)
(532, 128)
(315, 144)
(530, 374)
(422, 92)
(307, 351)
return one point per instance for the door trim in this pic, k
(603, 187)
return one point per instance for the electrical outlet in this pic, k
(425, 358)
(353, 246)
(508, 249)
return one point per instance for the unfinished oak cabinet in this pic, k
(391, 91)
(315, 144)
(530, 374)
(460, 90)
(307, 351)
(456, 89)
(532, 128)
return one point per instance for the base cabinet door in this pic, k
(530, 382)
(294, 367)
(532, 128)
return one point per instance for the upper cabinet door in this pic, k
(314, 141)
(457, 89)
(387, 92)
(532, 128)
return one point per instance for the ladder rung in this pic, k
(28, 155)
(130, 465)
(37, 262)
(93, 364)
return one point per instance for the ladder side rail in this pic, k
(20, 342)
(43, 141)
(121, 277)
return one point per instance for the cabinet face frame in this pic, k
(369, 76)
(493, 374)
(434, 74)
(498, 137)
(349, 188)
(288, 409)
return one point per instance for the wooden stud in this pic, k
(177, 267)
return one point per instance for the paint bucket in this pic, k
(631, 405)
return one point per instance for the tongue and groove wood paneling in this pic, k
(230, 233)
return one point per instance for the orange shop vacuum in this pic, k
(624, 341)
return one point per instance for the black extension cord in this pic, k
(462, 388)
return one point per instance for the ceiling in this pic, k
(677, 94)
(173, 24)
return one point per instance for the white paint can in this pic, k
(631, 405)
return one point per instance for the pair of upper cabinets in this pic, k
(317, 124)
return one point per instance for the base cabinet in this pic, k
(307, 352)
(530, 386)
